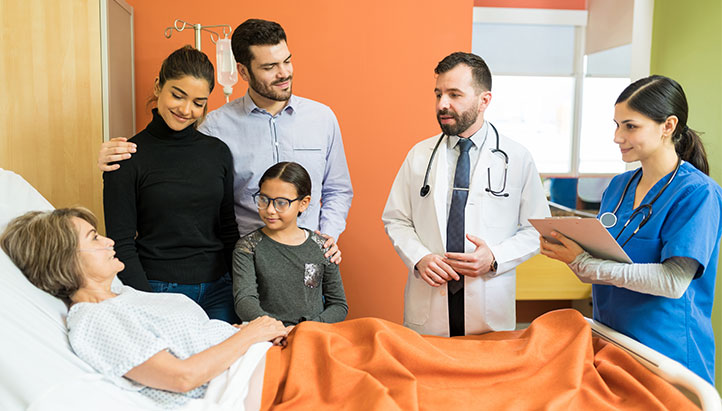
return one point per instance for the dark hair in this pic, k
(186, 61)
(44, 246)
(659, 97)
(479, 70)
(292, 173)
(254, 32)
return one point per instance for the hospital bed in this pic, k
(38, 370)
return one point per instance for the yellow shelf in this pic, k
(542, 278)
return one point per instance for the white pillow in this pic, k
(35, 351)
(17, 197)
(37, 366)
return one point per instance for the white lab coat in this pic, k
(417, 226)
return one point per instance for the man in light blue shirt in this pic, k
(304, 131)
(269, 124)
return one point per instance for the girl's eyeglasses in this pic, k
(281, 204)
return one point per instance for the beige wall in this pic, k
(609, 25)
(50, 109)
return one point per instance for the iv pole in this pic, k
(180, 25)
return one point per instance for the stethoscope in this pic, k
(609, 220)
(426, 188)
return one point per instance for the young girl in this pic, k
(280, 270)
(169, 209)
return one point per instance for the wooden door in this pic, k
(51, 103)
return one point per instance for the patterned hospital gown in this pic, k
(121, 333)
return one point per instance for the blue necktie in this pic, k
(455, 228)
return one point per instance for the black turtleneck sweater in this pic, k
(169, 208)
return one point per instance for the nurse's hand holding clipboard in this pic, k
(565, 252)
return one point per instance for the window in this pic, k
(537, 112)
(546, 94)
(606, 75)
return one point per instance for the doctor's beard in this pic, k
(462, 122)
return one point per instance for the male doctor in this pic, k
(462, 237)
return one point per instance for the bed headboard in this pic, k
(36, 352)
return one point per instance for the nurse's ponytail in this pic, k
(689, 147)
(659, 97)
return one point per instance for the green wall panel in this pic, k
(687, 46)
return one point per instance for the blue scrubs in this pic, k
(685, 223)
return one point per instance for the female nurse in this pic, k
(666, 216)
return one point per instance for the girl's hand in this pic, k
(282, 341)
(565, 252)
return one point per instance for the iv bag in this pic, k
(226, 65)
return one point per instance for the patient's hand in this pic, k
(117, 149)
(265, 328)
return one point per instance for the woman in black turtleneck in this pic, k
(169, 208)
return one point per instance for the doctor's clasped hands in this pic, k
(437, 270)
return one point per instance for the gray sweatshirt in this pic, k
(286, 282)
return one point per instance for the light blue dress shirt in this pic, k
(306, 132)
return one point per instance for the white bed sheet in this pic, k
(239, 388)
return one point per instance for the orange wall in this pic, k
(372, 62)
(534, 4)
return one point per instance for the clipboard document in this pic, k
(589, 233)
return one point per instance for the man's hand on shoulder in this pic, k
(117, 149)
(332, 248)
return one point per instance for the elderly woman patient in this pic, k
(163, 344)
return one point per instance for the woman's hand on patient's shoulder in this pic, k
(265, 328)
(116, 149)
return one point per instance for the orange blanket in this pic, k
(372, 364)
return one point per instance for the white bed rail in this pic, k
(673, 372)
